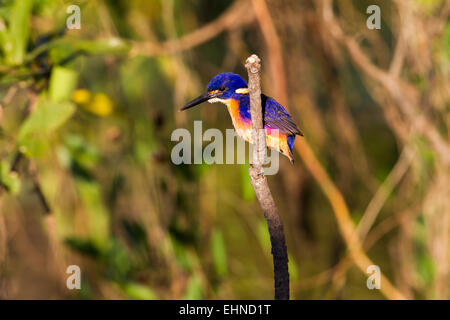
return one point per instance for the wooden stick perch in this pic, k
(260, 185)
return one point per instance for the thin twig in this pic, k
(37, 188)
(235, 16)
(260, 185)
(382, 194)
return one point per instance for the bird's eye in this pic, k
(222, 88)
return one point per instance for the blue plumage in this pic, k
(229, 88)
(227, 81)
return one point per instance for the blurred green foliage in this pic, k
(85, 123)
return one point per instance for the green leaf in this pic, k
(82, 151)
(426, 269)
(60, 48)
(246, 187)
(118, 261)
(428, 6)
(136, 233)
(181, 254)
(102, 46)
(446, 41)
(35, 131)
(62, 84)
(9, 180)
(194, 289)
(19, 31)
(4, 37)
(47, 117)
(293, 268)
(84, 246)
(219, 254)
(98, 218)
(138, 292)
(263, 235)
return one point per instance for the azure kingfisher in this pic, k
(231, 90)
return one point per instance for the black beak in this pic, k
(204, 97)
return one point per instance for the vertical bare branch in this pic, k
(260, 185)
(275, 52)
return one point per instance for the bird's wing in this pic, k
(276, 117)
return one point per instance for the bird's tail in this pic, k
(290, 142)
(291, 157)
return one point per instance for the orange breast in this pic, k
(243, 128)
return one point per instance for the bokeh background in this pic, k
(86, 177)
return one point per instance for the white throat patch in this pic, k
(213, 100)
